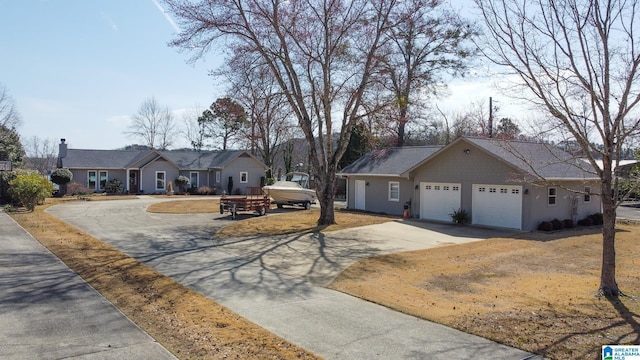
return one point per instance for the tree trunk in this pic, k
(608, 285)
(325, 189)
(402, 122)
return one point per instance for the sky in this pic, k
(79, 69)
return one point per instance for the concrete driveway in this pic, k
(276, 281)
(629, 210)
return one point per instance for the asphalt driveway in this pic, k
(276, 282)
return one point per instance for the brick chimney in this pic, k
(62, 151)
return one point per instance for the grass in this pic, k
(298, 221)
(209, 205)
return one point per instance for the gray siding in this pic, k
(454, 165)
(82, 176)
(148, 176)
(377, 194)
(252, 167)
(542, 211)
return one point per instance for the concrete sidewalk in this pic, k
(48, 312)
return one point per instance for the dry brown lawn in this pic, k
(188, 324)
(536, 292)
(209, 205)
(298, 221)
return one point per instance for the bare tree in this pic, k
(153, 125)
(579, 61)
(42, 154)
(9, 116)
(427, 41)
(321, 53)
(192, 130)
(269, 113)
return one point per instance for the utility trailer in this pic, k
(255, 201)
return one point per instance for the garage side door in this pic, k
(360, 195)
(438, 200)
(497, 205)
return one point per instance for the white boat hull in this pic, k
(290, 195)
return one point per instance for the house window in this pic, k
(92, 179)
(436, 187)
(445, 188)
(492, 190)
(482, 189)
(427, 187)
(217, 177)
(160, 180)
(394, 191)
(456, 188)
(244, 177)
(193, 180)
(552, 194)
(102, 175)
(587, 194)
(515, 191)
(503, 191)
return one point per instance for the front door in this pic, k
(134, 179)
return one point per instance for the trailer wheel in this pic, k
(262, 211)
(307, 205)
(279, 205)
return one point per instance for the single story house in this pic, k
(499, 183)
(149, 171)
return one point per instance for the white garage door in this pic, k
(438, 200)
(497, 205)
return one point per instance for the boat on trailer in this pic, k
(292, 189)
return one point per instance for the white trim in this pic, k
(217, 177)
(586, 198)
(550, 196)
(106, 179)
(246, 177)
(191, 184)
(95, 184)
(389, 190)
(164, 180)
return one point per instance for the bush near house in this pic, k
(202, 190)
(182, 181)
(61, 176)
(114, 186)
(75, 188)
(30, 190)
(555, 224)
(545, 226)
(460, 216)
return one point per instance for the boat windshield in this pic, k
(300, 179)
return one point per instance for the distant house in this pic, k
(507, 184)
(149, 171)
